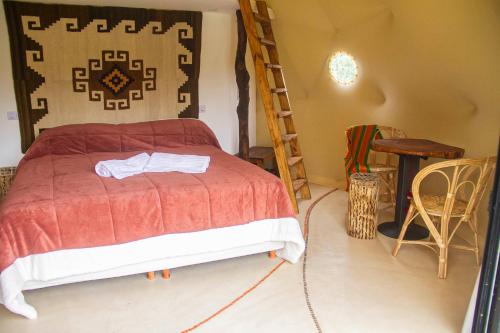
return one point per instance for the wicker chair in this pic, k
(6, 177)
(465, 181)
(386, 165)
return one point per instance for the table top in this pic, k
(417, 147)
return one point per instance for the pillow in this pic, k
(90, 138)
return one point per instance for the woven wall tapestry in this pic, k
(81, 64)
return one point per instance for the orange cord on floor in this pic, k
(225, 307)
(249, 290)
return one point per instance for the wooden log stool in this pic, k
(363, 205)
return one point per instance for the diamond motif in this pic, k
(116, 80)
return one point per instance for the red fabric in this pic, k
(58, 202)
(359, 141)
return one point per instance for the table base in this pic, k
(392, 230)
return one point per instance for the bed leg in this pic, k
(272, 254)
(165, 273)
(150, 275)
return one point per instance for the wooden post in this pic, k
(242, 80)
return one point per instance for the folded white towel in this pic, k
(122, 168)
(165, 162)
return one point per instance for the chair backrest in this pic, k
(387, 159)
(391, 132)
(359, 139)
(457, 174)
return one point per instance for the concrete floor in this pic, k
(354, 285)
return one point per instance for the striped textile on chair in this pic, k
(359, 140)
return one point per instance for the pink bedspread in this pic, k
(58, 202)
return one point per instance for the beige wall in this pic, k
(10, 139)
(431, 68)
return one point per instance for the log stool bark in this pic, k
(363, 205)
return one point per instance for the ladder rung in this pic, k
(298, 183)
(274, 66)
(294, 160)
(288, 137)
(261, 19)
(279, 90)
(285, 138)
(283, 114)
(267, 42)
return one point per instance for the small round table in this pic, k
(410, 151)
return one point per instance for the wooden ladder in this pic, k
(284, 161)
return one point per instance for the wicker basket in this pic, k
(6, 177)
(363, 205)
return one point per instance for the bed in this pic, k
(61, 223)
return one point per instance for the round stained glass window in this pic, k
(343, 69)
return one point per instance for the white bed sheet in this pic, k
(151, 254)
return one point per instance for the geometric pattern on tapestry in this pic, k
(83, 64)
(114, 79)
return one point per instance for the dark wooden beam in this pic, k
(242, 80)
